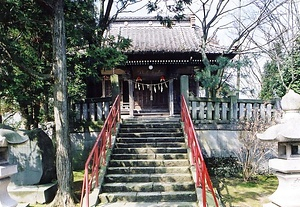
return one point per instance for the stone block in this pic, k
(33, 194)
(35, 159)
(285, 166)
(5, 199)
(7, 170)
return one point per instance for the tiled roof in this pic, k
(148, 35)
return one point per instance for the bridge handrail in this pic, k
(202, 176)
(98, 154)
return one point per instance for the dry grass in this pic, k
(237, 193)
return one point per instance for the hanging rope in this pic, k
(151, 86)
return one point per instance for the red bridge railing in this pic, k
(202, 177)
(97, 156)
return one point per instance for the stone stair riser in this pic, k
(148, 178)
(148, 150)
(150, 139)
(149, 156)
(150, 163)
(145, 130)
(148, 187)
(146, 170)
(148, 197)
(153, 144)
(150, 134)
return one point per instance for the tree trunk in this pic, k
(64, 196)
(36, 107)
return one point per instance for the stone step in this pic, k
(141, 170)
(150, 134)
(149, 139)
(148, 187)
(151, 145)
(148, 196)
(148, 163)
(149, 156)
(153, 120)
(171, 125)
(149, 129)
(149, 166)
(150, 204)
(149, 150)
(156, 177)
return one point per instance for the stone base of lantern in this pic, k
(5, 172)
(5, 199)
(287, 193)
(270, 205)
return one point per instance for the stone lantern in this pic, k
(287, 166)
(6, 170)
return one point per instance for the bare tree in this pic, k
(243, 18)
(254, 153)
(237, 21)
(278, 38)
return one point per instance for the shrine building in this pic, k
(160, 67)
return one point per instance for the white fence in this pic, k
(227, 110)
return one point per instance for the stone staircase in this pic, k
(149, 166)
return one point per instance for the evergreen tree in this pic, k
(34, 63)
(26, 54)
(279, 77)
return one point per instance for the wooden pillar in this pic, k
(184, 87)
(233, 108)
(115, 86)
(171, 97)
(131, 99)
(103, 87)
(197, 88)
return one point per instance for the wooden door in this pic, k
(151, 96)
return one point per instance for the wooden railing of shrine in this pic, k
(202, 110)
(91, 109)
(202, 177)
(228, 110)
(97, 156)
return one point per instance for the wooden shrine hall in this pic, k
(160, 67)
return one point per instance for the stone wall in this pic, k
(82, 144)
(222, 143)
(219, 143)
